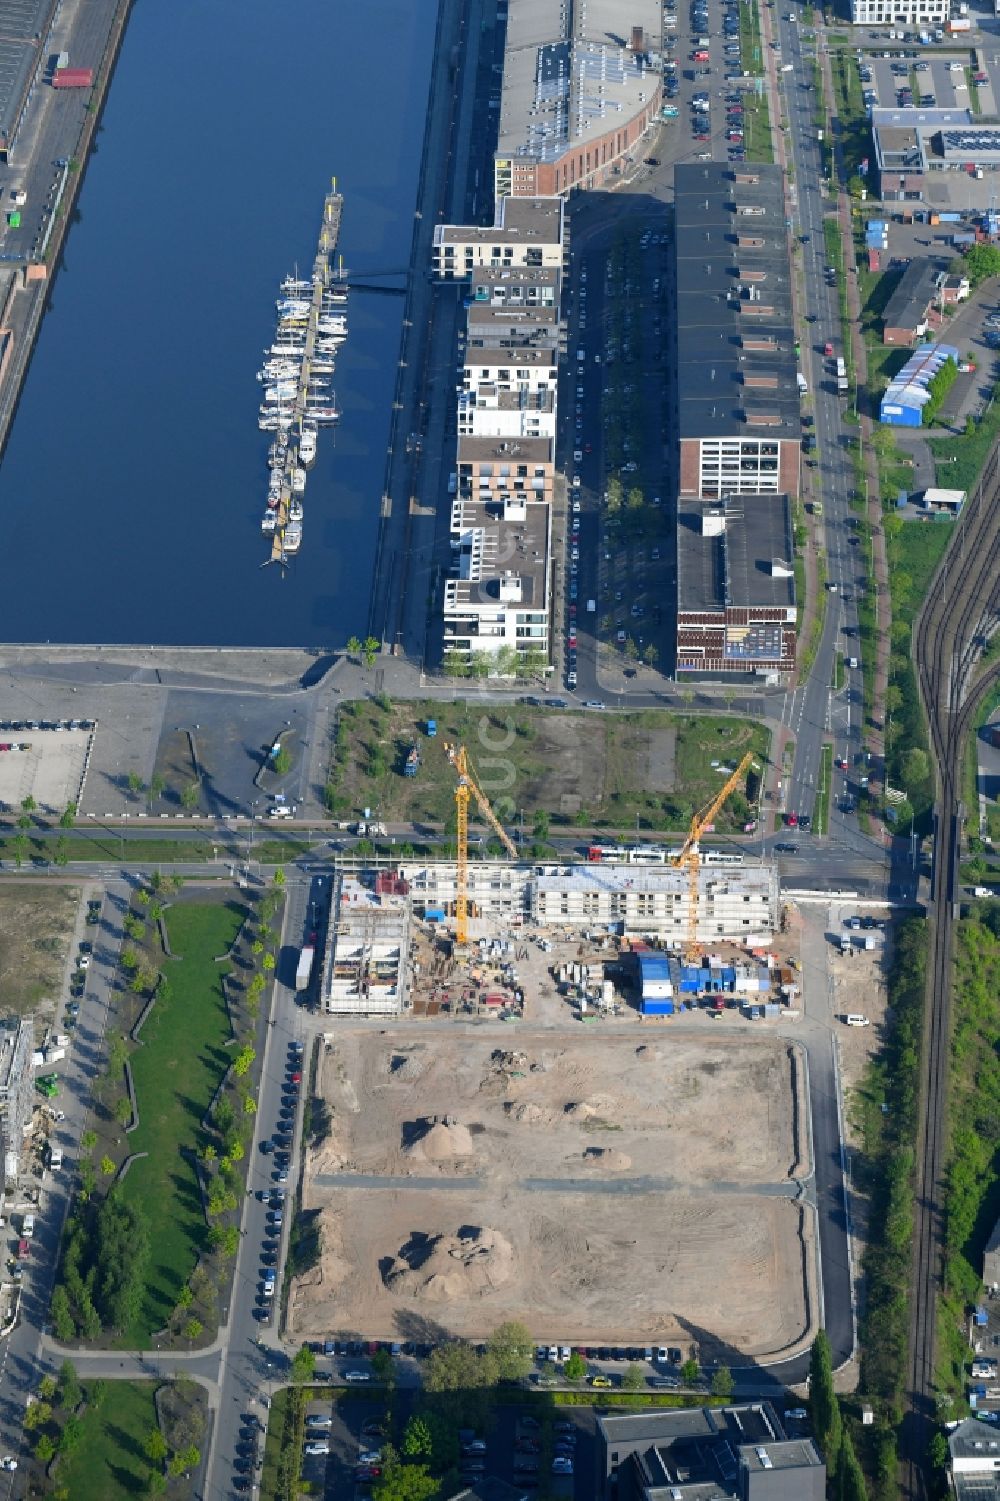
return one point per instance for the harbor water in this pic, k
(134, 478)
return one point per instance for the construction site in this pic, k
(640, 1189)
(483, 1156)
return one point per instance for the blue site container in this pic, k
(434, 914)
(657, 1008)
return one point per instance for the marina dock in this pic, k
(285, 541)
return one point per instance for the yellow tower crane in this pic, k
(467, 784)
(689, 856)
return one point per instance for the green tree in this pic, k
(123, 1110)
(107, 1166)
(453, 1367)
(937, 1450)
(850, 1476)
(304, 1365)
(135, 783)
(63, 1322)
(19, 849)
(157, 786)
(512, 1350)
(71, 1435)
(70, 1391)
(45, 1449)
(37, 1415)
(249, 1105)
(823, 1401)
(28, 804)
(192, 1329)
(650, 655)
(190, 795)
(981, 262)
(68, 816)
(575, 1368)
(61, 853)
(279, 876)
(406, 1482)
(722, 1382)
(244, 1061)
(185, 1297)
(47, 1388)
(353, 647)
(418, 1442)
(24, 822)
(117, 1051)
(540, 827)
(633, 1378)
(916, 767)
(383, 1366)
(371, 649)
(156, 1483)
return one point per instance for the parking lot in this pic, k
(46, 764)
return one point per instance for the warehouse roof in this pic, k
(744, 559)
(570, 75)
(914, 293)
(909, 387)
(735, 341)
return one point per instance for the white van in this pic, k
(854, 1020)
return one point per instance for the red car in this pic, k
(296, 1078)
(792, 820)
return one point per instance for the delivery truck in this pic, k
(303, 970)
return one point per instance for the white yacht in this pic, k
(307, 446)
(298, 481)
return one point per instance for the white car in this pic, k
(578, 456)
(357, 1375)
(8, 1462)
(317, 1446)
(318, 1420)
(369, 1457)
(84, 961)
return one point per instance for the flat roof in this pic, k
(501, 553)
(532, 323)
(743, 880)
(733, 567)
(491, 354)
(915, 291)
(733, 291)
(474, 449)
(24, 30)
(570, 75)
(531, 221)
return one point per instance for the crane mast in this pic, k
(689, 857)
(467, 787)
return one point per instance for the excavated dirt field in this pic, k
(600, 1189)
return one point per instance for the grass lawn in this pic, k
(821, 808)
(959, 461)
(104, 845)
(177, 1070)
(586, 770)
(110, 1462)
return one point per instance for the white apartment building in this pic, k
(489, 412)
(528, 232)
(497, 593)
(918, 14)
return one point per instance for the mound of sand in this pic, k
(441, 1141)
(440, 1268)
(615, 1162)
(529, 1114)
(406, 1068)
(579, 1111)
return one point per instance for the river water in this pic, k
(134, 479)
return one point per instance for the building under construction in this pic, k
(365, 967)
(738, 904)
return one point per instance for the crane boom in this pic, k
(466, 786)
(689, 856)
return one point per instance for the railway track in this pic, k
(963, 599)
